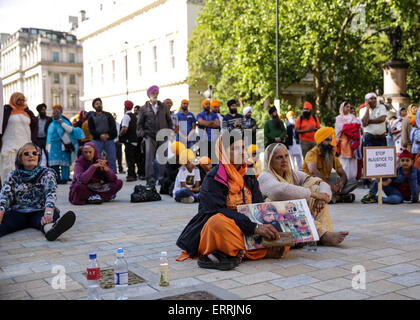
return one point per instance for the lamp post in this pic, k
(126, 68)
(277, 100)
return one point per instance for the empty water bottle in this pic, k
(93, 277)
(164, 270)
(120, 276)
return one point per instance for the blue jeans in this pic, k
(14, 221)
(111, 152)
(185, 193)
(394, 196)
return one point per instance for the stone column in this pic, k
(395, 83)
(65, 94)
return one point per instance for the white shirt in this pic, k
(185, 176)
(125, 122)
(155, 107)
(375, 128)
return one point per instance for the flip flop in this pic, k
(218, 260)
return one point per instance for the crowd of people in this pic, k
(208, 158)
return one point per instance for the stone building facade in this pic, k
(46, 66)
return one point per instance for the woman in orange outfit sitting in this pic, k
(215, 234)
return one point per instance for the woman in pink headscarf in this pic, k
(93, 180)
(347, 130)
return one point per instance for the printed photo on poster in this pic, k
(286, 216)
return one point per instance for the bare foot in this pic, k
(275, 253)
(333, 238)
(241, 254)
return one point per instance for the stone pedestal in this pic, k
(395, 83)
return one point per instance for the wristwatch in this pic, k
(49, 212)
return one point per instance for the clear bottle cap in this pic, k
(164, 254)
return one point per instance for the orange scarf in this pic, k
(235, 176)
(15, 108)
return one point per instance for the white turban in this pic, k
(247, 110)
(370, 95)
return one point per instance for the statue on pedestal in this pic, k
(395, 38)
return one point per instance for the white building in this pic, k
(130, 45)
(46, 66)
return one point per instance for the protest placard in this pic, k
(379, 162)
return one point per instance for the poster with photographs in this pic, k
(286, 216)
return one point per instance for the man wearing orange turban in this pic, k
(320, 161)
(187, 124)
(306, 126)
(215, 108)
(208, 123)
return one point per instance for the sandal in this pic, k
(218, 260)
(61, 225)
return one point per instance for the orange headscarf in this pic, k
(204, 102)
(15, 108)
(235, 177)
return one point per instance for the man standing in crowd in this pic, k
(208, 123)
(292, 142)
(215, 108)
(43, 123)
(103, 130)
(320, 161)
(187, 125)
(118, 145)
(373, 118)
(233, 120)
(306, 126)
(128, 136)
(274, 129)
(250, 124)
(153, 117)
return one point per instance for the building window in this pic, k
(72, 101)
(91, 77)
(139, 63)
(102, 74)
(56, 57)
(72, 79)
(171, 54)
(56, 78)
(113, 71)
(56, 98)
(72, 58)
(155, 61)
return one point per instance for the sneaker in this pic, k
(189, 200)
(95, 199)
(369, 198)
(61, 225)
(111, 199)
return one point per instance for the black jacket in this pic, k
(213, 193)
(111, 123)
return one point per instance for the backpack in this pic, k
(144, 194)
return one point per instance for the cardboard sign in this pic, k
(379, 162)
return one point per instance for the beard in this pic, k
(277, 122)
(306, 115)
(327, 153)
(233, 111)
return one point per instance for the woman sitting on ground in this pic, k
(278, 182)
(28, 196)
(187, 182)
(215, 234)
(93, 181)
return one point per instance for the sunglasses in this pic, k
(34, 153)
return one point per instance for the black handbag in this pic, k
(144, 194)
(68, 147)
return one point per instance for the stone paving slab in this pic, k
(384, 240)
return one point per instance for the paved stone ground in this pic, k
(385, 240)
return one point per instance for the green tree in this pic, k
(233, 47)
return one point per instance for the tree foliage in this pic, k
(343, 43)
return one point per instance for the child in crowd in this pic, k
(404, 187)
(205, 167)
(187, 183)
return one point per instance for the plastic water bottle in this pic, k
(164, 270)
(120, 276)
(93, 277)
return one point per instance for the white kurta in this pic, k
(17, 133)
